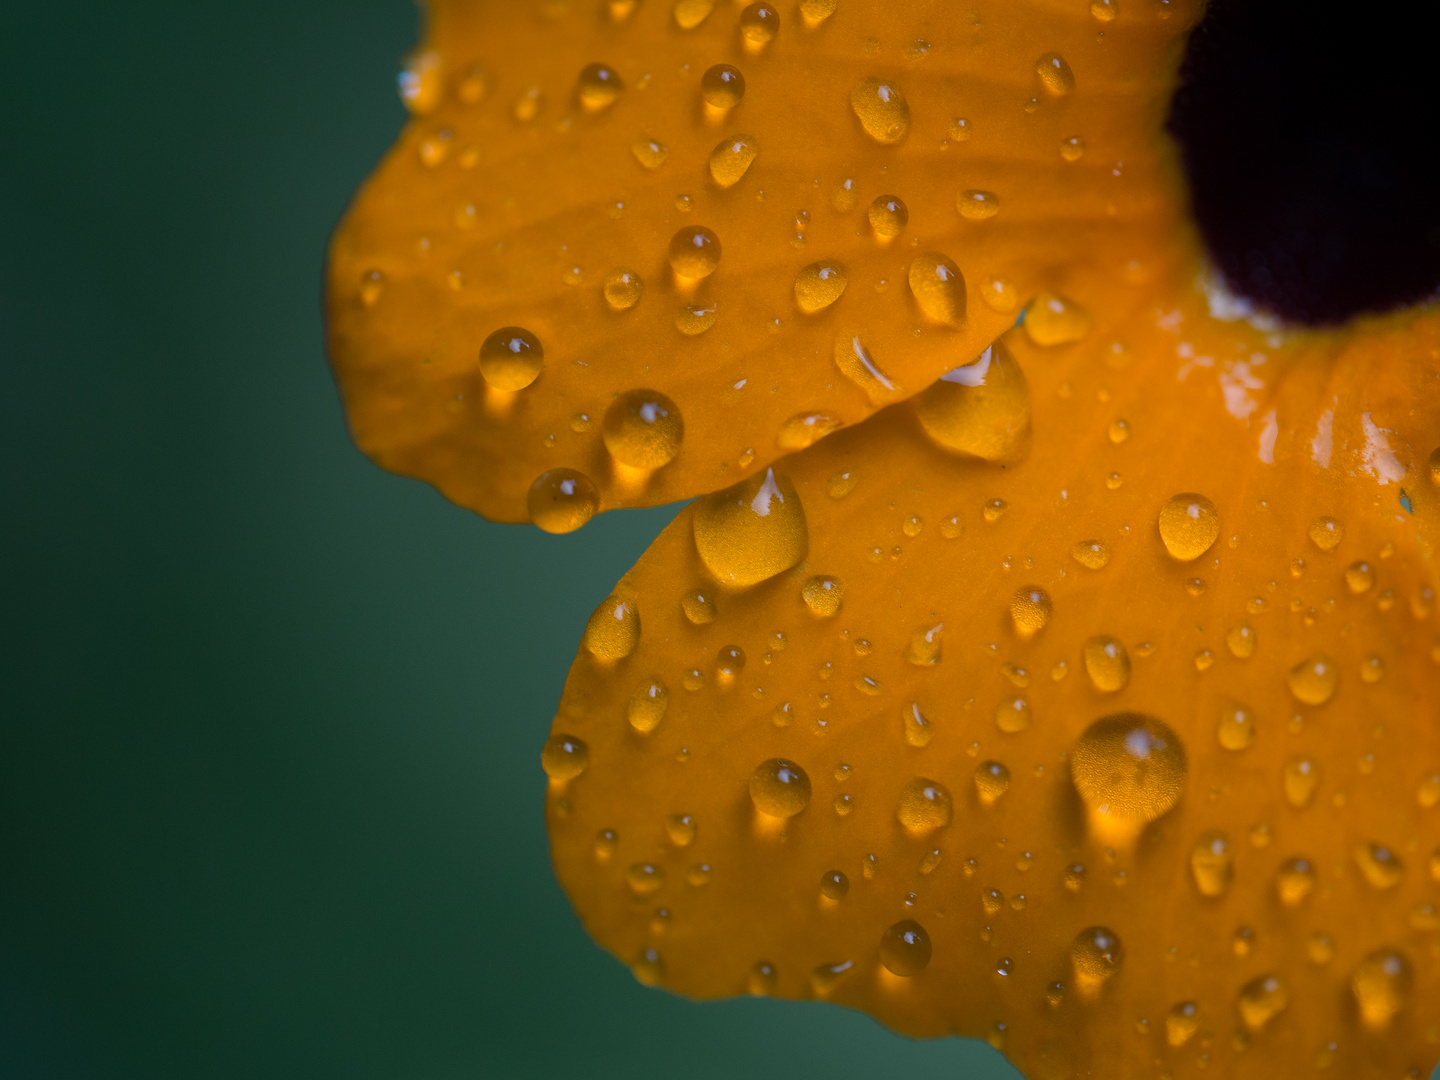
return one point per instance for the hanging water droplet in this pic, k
(623, 288)
(1313, 680)
(905, 948)
(1189, 524)
(977, 205)
(981, 409)
(751, 531)
(1055, 73)
(992, 780)
(1030, 609)
(939, 288)
(1052, 320)
(1326, 533)
(613, 630)
(779, 788)
(648, 968)
(1212, 864)
(511, 358)
(881, 109)
(924, 805)
(600, 86)
(1096, 955)
(759, 23)
(648, 704)
(722, 86)
(1236, 729)
(562, 500)
(1262, 999)
(564, 757)
(1294, 881)
(888, 216)
(650, 153)
(1129, 766)
(1107, 663)
(819, 285)
(834, 884)
(1381, 867)
(731, 159)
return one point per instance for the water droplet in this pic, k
(881, 109)
(1313, 680)
(1189, 524)
(1294, 881)
(473, 86)
(815, 12)
(977, 205)
(1360, 577)
(924, 647)
(823, 595)
(1073, 148)
(918, 730)
(834, 884)
(924, 805)
(623, 289)
(1212, 864)
(613, 630)
(605, 844)
(527, 106)
(647, 705)
(1053, 320)
(1381, 985)
(992, 780)
(648, 967)
(699, 606)
(372, 285)
(650, 153)
(1382, 868)
(751, 531)
(694, 252)
(644, 878)
(693, 319)
(1424, 917)
(1241, 641)
(1055, 73)
(1320, 948)
(929, 861)
(905, 948)
(643, 429)
(779, 788)
(824, 977)
(951, 526)
(1095, 954)
(691, 13)
(1129, 766)
(1236, 729)
(1030, 609)
(1372, 669)
(912, 525)
(888, 216)
(855, 362)
(819, 285)
(759, 23)
(1012, 715)
(1091, 554)
(511, 358)
(1428, 793)
(680, 828)
(1104, 10)
(564, 757)
(600, 86)
(1326, 533)
(1107, 663)
(421, 81)
(1262, 999)
(1119, 431)
(722, 86)
(1300, 779)
(981, 409)
(939, 288)
(806, 429)
(731, 159)
(999, 295)
(1181, 1023)
(561, 500)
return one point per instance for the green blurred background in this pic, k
(270, 801)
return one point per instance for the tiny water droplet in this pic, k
(1294, 881)
(1030, 609)
(834, 884)
(759, 23)
(1261, 1000)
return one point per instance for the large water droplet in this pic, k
(1107, 663)
(1212, 864)
(1096, 955)
(888, 216)
(1052, 320)
(564, 757)
(992, 780)
(1262, 999)
(600, 85)
(511, 358)
(722, 86)
(751, 531)
(759, 23)
(561, 500)
(648, 704)
(939, 288)
(1055, 73)
(643, 429)
(1189, 524)
(1313, 680)
(694, 252)
(1381, 985)
(613, 630)
(731, 159)
(981, 409)
(1129, 766)
(779, 788)
(1030, 609)
(819, 285)
(881, 109)
(924, 805)
(905, 948)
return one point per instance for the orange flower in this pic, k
(1070, 684)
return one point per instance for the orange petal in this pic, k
(1125, 783)
(884, 185)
